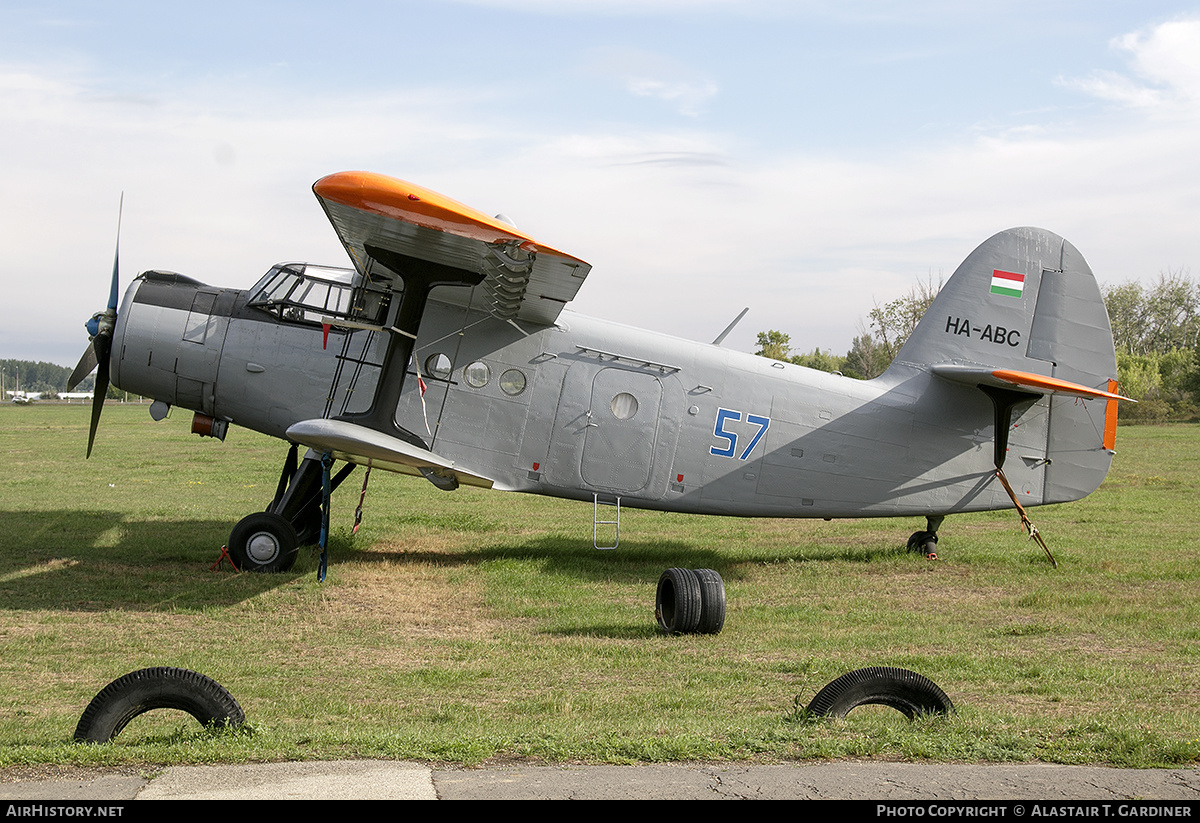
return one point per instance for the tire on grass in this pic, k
(907, 692)
(712, 602)
(677, 601)
(157, 688)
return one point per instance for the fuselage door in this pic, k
(622, 429)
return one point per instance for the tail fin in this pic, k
(1023, 319)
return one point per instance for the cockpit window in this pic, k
(305, 293)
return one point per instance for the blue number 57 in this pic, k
(729, 449)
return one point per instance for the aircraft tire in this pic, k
(712, 602)
(677, 602)
(907, 692)
(263, 542)
(923, 542)
(157, 688)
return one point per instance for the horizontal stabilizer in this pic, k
(368, 447)
(1010, 378)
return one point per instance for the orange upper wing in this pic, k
(524, 279)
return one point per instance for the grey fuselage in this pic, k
(587, 409)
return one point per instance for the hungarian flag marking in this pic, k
(1007, 283)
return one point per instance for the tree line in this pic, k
(1156, 331)
(48, 378)
(30, 376)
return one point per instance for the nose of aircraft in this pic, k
(96, 356)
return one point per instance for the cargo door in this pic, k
(621, 431)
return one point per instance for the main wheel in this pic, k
(712, 602)
(907, 692)
(158, 688)
(263, 542)
(677, 603)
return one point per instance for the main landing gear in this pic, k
(269, 541)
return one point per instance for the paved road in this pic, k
(388, 780)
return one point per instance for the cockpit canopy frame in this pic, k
(312, 294)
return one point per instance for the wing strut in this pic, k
(420, 277)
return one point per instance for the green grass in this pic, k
(468, 626)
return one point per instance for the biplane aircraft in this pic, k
(448, 351)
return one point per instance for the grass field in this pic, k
(468, 626)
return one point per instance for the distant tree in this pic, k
(873, 350)
(1166, 386)
(774, 344)
(1172, 313)
(34, 377)
(778, 346)
(867, 358)
(820, 360)
(1156, 331)
(1126, 306)
(893, 322)
(1160, 318)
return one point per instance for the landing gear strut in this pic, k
(269, 541)
(925, 541)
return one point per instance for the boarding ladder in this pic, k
(614, 503)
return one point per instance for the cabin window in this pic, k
(512, 382)
(200, 320)
(477, 374)
(624, 406)
(438, 366)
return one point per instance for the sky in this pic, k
(808, 160)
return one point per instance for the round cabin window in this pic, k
(437, 366)
(477, 374)
(512, 382)
(624, 406)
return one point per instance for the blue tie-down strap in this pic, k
(326, 493)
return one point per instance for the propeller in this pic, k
(100, 328)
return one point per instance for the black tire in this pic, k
(308, 525)
(712, 602)
(158, 688)
(677, 603)
(907, 692)
(263, 542)
(924, 543)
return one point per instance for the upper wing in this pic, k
(523, 279)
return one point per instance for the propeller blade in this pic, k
(101, 327)
(102, 345)
(86, 363)
(112, 292)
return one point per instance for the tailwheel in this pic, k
(263, 542)
(925, 542)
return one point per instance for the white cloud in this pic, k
(1168, 54)
(687, 97)
(1164, 65)
(649, 74)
